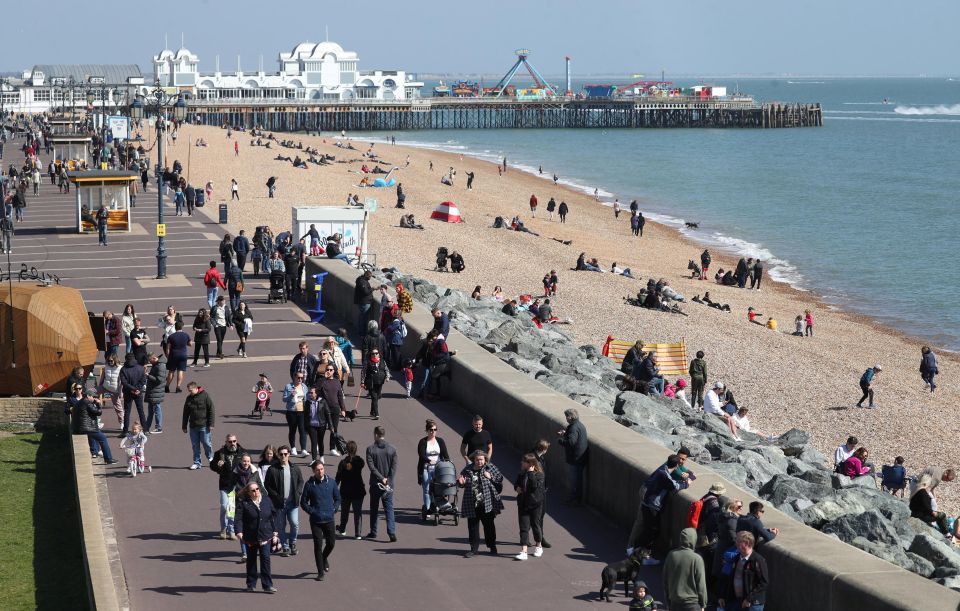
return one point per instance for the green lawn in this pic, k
(40, 549)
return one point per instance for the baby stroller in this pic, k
(445, 492)
(442, 255)
(277, 293)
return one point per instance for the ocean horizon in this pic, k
(855, 211)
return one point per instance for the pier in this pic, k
(500, 113)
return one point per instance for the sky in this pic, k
(693, 37)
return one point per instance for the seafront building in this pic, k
(317, 72)
(311, 71)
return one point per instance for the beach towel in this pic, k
(671, 358)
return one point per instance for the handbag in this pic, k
(231, 504)
(350, 380)
(239, 286)
(248, 325)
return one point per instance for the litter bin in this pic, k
(223, 214)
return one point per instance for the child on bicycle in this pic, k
(262, 384)
(134, 443)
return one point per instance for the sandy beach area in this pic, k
(786, 381)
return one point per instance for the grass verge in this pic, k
(40, 544)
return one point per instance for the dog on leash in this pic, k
(626, 570)
(691, 225)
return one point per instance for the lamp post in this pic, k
(138, 110)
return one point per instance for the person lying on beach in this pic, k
(282, 158)
(667, 291)
(622, 271)
(517, 225)
(447, 180)
(705, 300)
(752, 316)
(728, 279)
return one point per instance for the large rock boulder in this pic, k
(864, 481)
(775, 456)
(832, 507)
(894, 554)
(640, 409)
(783, 487)
(759, 470)
(734, 472)
(793, 442)
(936, 551)
(870, 525)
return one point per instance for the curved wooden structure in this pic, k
(51, 336)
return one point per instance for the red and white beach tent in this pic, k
(447, 212)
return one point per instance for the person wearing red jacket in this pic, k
(213, 280)
(533, 205)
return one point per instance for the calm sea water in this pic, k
(863, 210)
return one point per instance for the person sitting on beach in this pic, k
(622, 271)
(456, 262)
(517, 225)
(545, 311)
(365, 182)
(772, 323)
(715, 402)
(498, 294)
(509, 308)
(728, 279)
(923, 506)
(718, 277)
(798, 325)
(752, 316)
(646, 371)
(667, 291)
(477, 294)
(894, 477)
(856, 466)
(364, 168)
(582, 264)
(408, 221)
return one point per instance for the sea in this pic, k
(862, 211)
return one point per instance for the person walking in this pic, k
(576, 447)
(201, 337)
(757, 274)
(431, 449)
(746, 586)
(234, 189)
(155, 394)
(271, 186)
(374, 375)
(223, 463)
(103, 216)
(109, 385)
(241, 246)
(928, 367)
(698, 379)
(133, 383)
(684, 576)
(476, 439)
(482, 483)
(533, 205)
(382, 462)
(255, 519)
(284, 484)
(330, 391)
(294, 395)
(243, 324)
(350, 479)
(866, 385)
(198, 420)
(220, 315)
(235, 286)
(213, 281)
(178, 344)
(321, 500)
(530, 489)
(316, 421)
(562, 211)
(364, 300)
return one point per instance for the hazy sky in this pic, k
(842, 37)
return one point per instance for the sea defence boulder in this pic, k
(786, 472)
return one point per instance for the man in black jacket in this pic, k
(241, 246)
(224, 460)
(304, 363)
(198, 414)
(284, 484)
(753, 525)
(363, 298)
(746, 586)
(575, 446)
(330, 389)
(647, 371)
(133, 381)
(382, 462)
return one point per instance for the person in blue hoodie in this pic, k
(321, 501)
(866, 385)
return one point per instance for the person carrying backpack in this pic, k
(708, 510)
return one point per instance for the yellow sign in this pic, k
(161, 230)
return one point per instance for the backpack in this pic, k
(403, 329)
(693, 513)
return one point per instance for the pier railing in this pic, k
(503, 113)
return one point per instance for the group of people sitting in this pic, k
(658, 295)
(407, 221)
(456, 259)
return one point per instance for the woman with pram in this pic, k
(430, 450)
(482, 483)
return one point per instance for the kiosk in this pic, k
(107, 187)
(328, 220)
(72, 149)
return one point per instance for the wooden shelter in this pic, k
(108, 187)
(71, 149)
(51, 335)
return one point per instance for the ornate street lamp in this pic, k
(160, 101)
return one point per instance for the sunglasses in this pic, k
(374, 353)
(432, 430)
(330, 370)
(254, 490)
(284, 453)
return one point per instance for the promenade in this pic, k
(166, 522)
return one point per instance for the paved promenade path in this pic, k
(166, 522)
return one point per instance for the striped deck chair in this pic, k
(671, 358)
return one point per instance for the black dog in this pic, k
(692, 225)
(626, 570)
(695, 273)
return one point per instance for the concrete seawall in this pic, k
(808, 570)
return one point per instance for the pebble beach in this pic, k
(786, 381)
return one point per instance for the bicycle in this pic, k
(136, 463)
